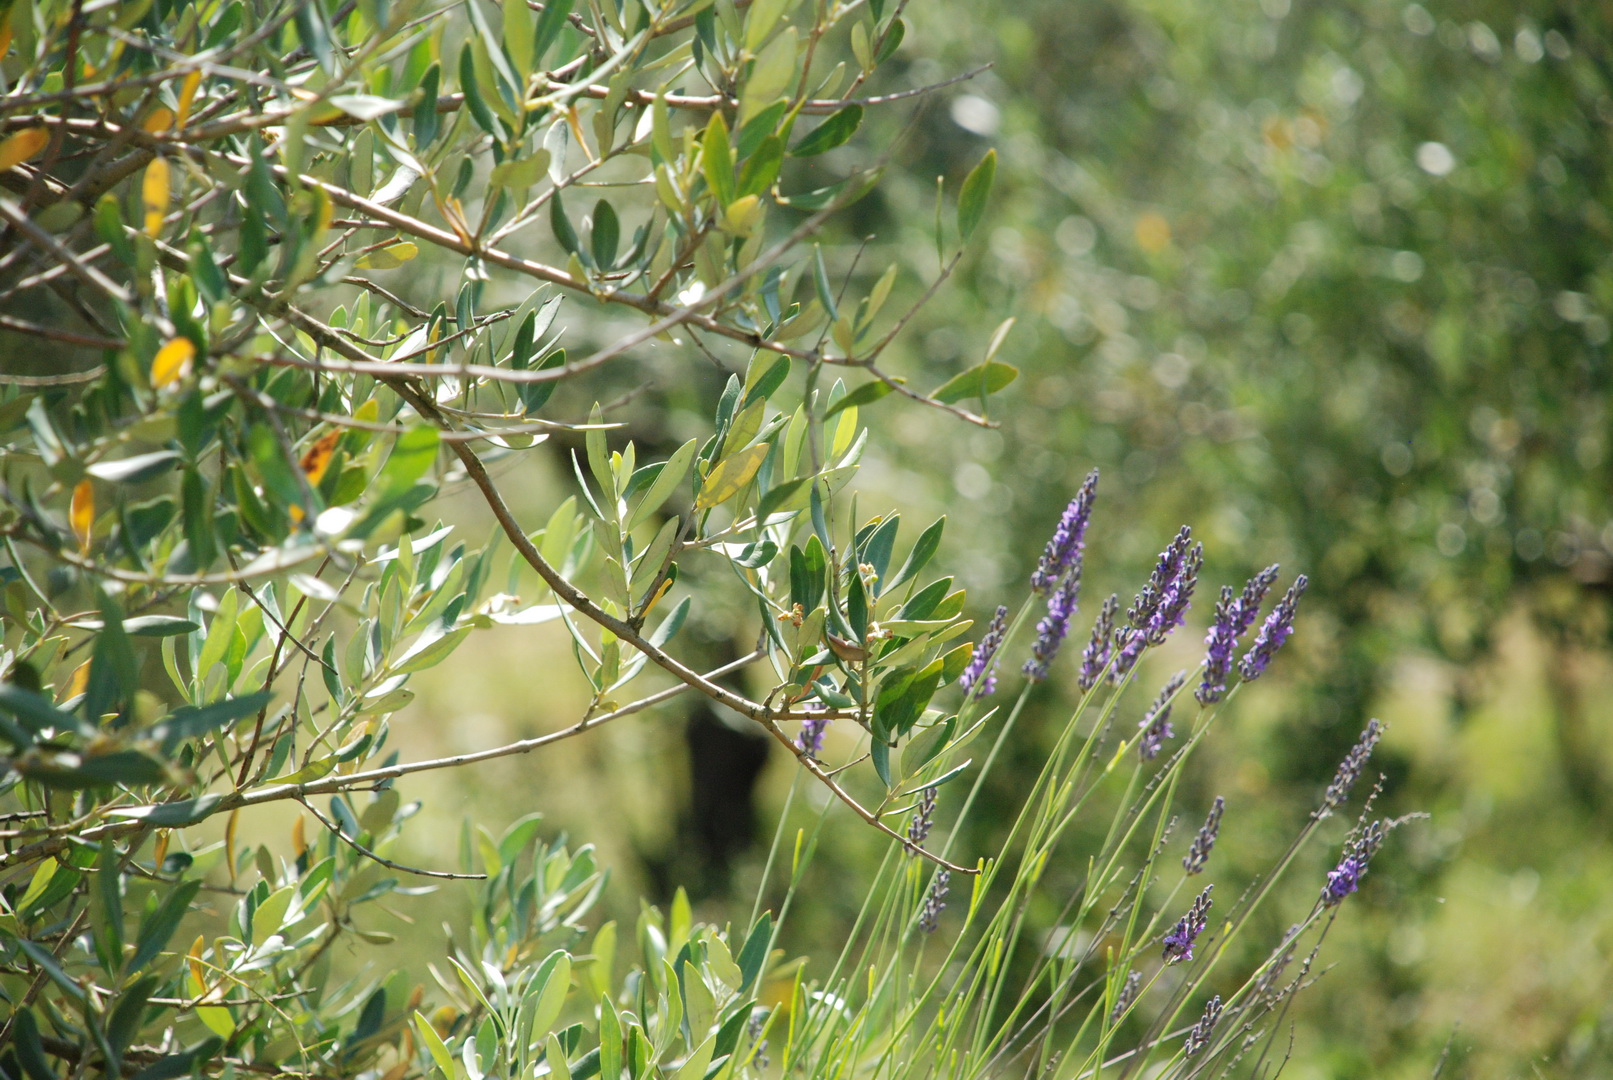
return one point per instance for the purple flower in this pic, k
(1068, 543)
(1276, 629)
(1345, 878)
(1156, 722)
(1179, 942)
(1233, 616)
(1161, 605)
(1199, 853)
(982, 669)
(1254, 593)
(1219, 644)
(1053, 627)
(811, 738)
(918, 829)
(1095, 657)
(1128, 994)
(1349, 770)
(935, 902)
(1199, 1037)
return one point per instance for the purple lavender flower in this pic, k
(1156, 722)
(1179, 942)
(1276, 629)
(1199, 853)
(1053, 627)
(1219, 644)
(1349, 770)
(1128, 994)
(935, 902)
(1095, 657)
(1068, 543)
(811, 738)
(982, 669)
(918, 829)
(1345, 878)
(1199, 1037)
(1161, 605)
(1254, 594)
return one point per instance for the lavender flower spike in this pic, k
(1219, 644)
(1051, 630)
(1349, 770)
(1233, 616)
(1346, 877)
(1278, 626)
(1068, 543)
(1199, 1037)
(1156, 722)
(982, 669)
(1095, 657)
(1179, 942)
(1128, 994)
(923, 817)
(1161, 605)
(1199, 853)
(935, 902)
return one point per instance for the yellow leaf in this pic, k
(299, 842)
(388, 257)
(159, 120)
(187, 96)
(318, 456)
(82, 514)
(229, 842)
(197, 972)
(730, 476)
(370, 411)
(154, 194)
(77, 683)
(172, 362)
(23, 145)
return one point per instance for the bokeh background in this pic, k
(1329, 281)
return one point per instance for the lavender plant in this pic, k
(221, 577)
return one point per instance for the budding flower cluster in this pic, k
(810, 740)
(1233, 617)
(1095, 657)
(1058, 576)
(935, 902)
(1199, 1037)
(1155, 727)
(982, 669)
(1345, 878)
(1068, 543)
(1128, 994)
(1349, 770)
(1199, 853)
(1162, 604)
(1276, 630)
(918, 829)
(1179, 942)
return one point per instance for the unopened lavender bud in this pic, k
(1155, 727)
(1199, 1037)
(982, 669)
(1276, 630)
(1349, 770)
(918, 829)
(1127, 995)
(1067, 546)
(1199, 852)
(1179, 942)
(935, 902)
(1095, 657)
(1053, 627)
